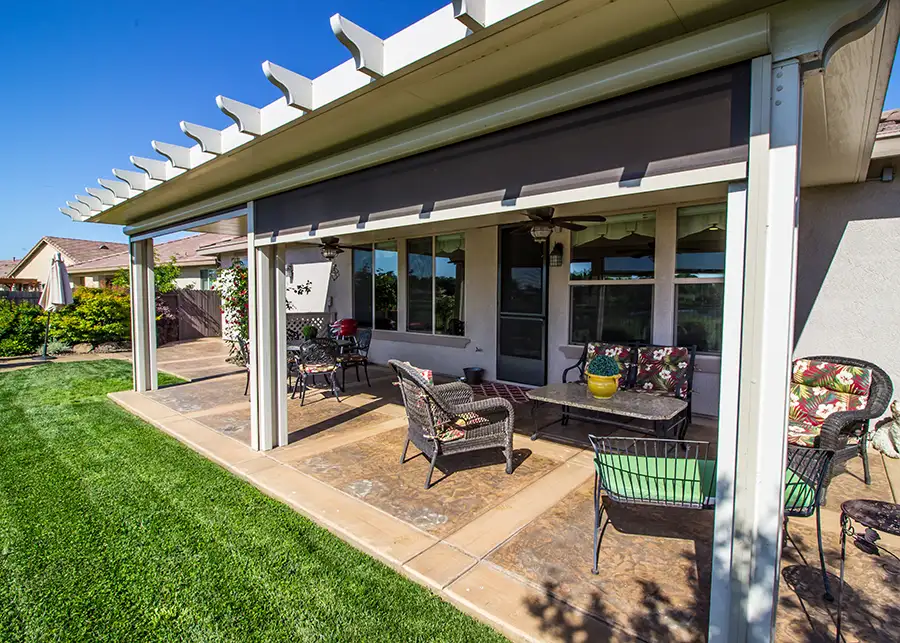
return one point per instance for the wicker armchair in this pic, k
(446, 419)
(840, 427)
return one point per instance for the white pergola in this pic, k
(792, 45)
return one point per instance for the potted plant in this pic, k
(603, 376)
(309, 332)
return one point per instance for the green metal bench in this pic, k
(680, 473)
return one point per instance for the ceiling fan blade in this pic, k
(539, 214)
(569, 226)
(599, 218)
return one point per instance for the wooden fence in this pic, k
(17, 297)
(199, 313)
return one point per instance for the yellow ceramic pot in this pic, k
(603, 386)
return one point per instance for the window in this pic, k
(207, 278)
(611, 280)
(435, 282)
(700, 276)
(375, 291)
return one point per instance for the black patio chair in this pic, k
(315, 357)
(680, 473)
(356, 357)
(446, 419)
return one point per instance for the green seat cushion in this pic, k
(679, 481)
(654, 480)
(799, 495)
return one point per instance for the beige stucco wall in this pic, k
(38, 266)
(848, 273)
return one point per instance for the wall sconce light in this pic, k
(556, 255)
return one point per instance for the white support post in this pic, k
(280, 345)
(268, 342)
(750, 566)
(143, 316)
(664, 276)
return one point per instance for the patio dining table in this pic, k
(665, 414)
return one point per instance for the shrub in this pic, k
(97, 315)
(56, 347)
(309, 331)
(603, 366)
(21, 328)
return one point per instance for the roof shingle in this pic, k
(184, 251)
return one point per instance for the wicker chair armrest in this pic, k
(455, 392)
(838, 423)
(482, 406)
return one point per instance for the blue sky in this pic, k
(85, 85)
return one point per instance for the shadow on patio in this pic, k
(524, 540)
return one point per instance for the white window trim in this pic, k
(433, 238)
(371, 248)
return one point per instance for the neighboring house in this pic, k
(10, 283)
(35, 265)
(198, 271)
(728, 143)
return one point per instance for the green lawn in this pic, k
(112, 531)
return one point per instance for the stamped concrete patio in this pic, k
(515, 549)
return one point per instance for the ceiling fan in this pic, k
(542, 222)
(330, 248)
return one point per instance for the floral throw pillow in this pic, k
(624, 356)
(841, 378)
(663, 369)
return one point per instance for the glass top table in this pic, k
(664, 412)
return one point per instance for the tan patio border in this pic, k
(456, 573)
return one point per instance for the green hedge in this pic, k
(21, 328)
(97, 315)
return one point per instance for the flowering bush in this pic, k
(231, 284)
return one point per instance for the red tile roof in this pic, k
(184, 251)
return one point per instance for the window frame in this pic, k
(433, 238)
(664, 310)
(370, 247)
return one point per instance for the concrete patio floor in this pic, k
(513, 550)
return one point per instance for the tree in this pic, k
(164, 276)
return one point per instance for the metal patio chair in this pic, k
(315, 357)
(244, 357)
(358, 356)
(446, 419)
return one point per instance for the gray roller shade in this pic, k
(692, 123)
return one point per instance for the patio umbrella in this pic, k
(57, 293)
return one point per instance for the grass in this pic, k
(112, 531)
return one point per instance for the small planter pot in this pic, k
(603, 386)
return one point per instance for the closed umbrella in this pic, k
(57, 293)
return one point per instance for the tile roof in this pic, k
(889, 124)
(6, 266)
(79, 250)
(184, 251)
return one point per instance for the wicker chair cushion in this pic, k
(802, 434)
(841, 378)
(457, 429)
(663, 368)
(624, 356)
(424, 372)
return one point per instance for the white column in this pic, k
(143, 315)
(268, 350)
(751, 565)
(664, 276)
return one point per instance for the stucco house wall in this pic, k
(38, 265)
(848, 273)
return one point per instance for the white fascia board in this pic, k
(428, 35)
(723, 45)
(180, 156)
(886, 147)
(366, 48)
(156, 169)
(703, 176)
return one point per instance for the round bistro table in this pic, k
(877, 515)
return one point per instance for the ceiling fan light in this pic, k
(330, 252)
(540, 232)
